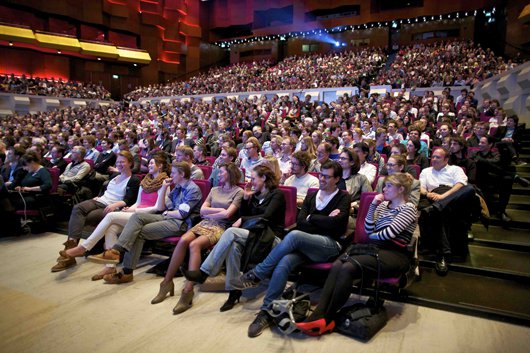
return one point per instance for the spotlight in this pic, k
(337, 44)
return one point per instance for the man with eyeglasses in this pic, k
(253, 158)
(300, 178)
(75, 171)
(321, 223)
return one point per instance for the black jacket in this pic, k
(320, 222)
(271, 208)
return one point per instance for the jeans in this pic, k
(142, 226)
(229, 248)
(297, 248)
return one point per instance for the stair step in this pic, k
(491, 262)
(520, 219)
(519, 202)
(498, 237)
(464, 293)
(520, 190)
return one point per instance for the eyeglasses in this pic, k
(391, 165)
(325, 176)
(249, 148)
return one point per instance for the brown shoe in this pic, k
(64, 264)
(106, 257)
(103, 273)
(68, 244)
(118, 278)
(77, 251)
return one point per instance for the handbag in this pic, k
(255, 223)
(361, 320)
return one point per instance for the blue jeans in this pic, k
(229, 248)
(297, 248)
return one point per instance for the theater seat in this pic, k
(206, 170)
(360, 237)
(291, 209)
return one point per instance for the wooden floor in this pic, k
(42, 311)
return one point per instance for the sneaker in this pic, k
(64, 264)
(111, 256)
(118, 278)
(247, 280)
(260, 323)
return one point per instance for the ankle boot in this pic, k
(185, 302)
(68, 244)
(165, 288)
(233, 299)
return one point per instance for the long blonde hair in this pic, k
(311, 149)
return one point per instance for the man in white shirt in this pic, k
(288, 146)
(300, 178)
(253, 158)
(367, 169)
(446, 200)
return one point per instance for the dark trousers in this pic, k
(493, 178)
(345, 273)
(444, 228)
(86, 212)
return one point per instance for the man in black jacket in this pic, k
(321, 224)
(106, 159)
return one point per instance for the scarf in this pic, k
(150, 184)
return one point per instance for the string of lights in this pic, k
(394, 24)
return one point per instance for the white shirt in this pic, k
(450, 175)
(115, 191)
(369, 171)
(322, 201)
(302, 184)
(285, 166)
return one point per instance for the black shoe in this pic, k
(233, 299)
(505, 218)
(441, 267)
(260, 323)
(194, 276)
(521, 181)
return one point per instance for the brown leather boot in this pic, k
(64, 264)
(68, 244)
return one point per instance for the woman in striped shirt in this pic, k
(389, 224)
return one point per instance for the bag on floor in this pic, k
(361, 321)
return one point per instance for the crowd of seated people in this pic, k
(52, 87)
(450, 63)
(341, 69)
(455, 63)
(401, 147)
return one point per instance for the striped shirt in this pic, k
(391, 228)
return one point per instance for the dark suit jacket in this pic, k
(187, 142)
(18, 174)
(60, 164)
(104, 161)
(517, 134)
